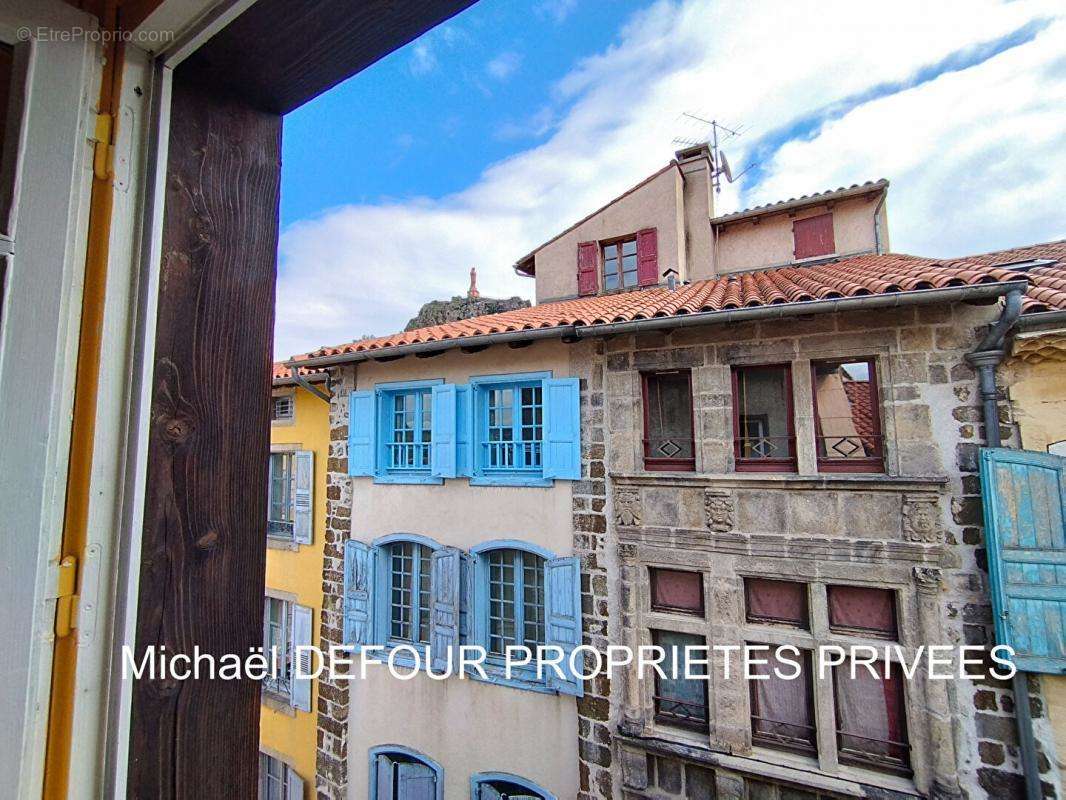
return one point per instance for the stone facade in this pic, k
(915, 529)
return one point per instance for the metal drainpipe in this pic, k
(985, 358)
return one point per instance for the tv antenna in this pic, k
(721, 163)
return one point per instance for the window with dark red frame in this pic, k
(847, 416)
(862, 610)
(763, 433)
(675, 590)
(668, 440)
(782, 709)
(871, 719)
(776, 602)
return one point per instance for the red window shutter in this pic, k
(588, 263)
(813, 236)
(648, 257)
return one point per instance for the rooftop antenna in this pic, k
(721, 163)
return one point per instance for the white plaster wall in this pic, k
(749, 245)
(464, 725)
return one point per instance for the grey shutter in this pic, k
(294, 785)
(487, 791)
(416, 782)
(302, 663)
(445, 605)
(358, 593)
(383, 773)
(304, 496)
(562, 578)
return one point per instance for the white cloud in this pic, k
(557, 10)
(976, 157)
(423, 59)
(504, 65)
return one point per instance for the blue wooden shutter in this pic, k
(445, 589)
(562, 428)
(383, 772)
(361, 434)
(303, 496)
(464, 427)
(466, 597)
(358, 593)
(562, 578)
(442, 455)
(303, 664)
(1024, 507)
(294, 785)
(415, 781)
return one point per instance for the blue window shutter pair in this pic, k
(1025, 527)
(562, 597)
(358, 593)
(361, 430)
(562, 428)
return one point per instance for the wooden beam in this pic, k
(279, 54)
(204, 545)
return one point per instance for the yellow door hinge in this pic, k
(103, 152)
(66, 599)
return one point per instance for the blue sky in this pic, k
(502, 126)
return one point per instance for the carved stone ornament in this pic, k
(720, 510)
(921, 518)
(928, 579)
(628, 553)
(627, 509)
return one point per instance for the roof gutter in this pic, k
(1040, 320)
(983, 291)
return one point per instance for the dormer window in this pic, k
(813, 237)
(620, 264)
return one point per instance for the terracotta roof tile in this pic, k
(282, 372)
(1047, 284)
(852, 277)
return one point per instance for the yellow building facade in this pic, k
(299, 448)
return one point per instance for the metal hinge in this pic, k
(103, 152)
(66, 599)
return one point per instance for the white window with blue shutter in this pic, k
(523, 596)
(400, 773)
(521, 429)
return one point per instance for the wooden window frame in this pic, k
(618, 240)
(851, 758)
(701, 612)
(654, 463)
(762, 740)
(291, 415)
(414, 606)
(870, 464)
(788, 464)
(802, 625)
(870, 633)
(420, 446)
(280, 687)
(665, 718)
(274, 532)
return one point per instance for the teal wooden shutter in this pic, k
(445, 589)
(415, 782)
(302, 625)
(1025, 508)
(358, 593)
(562, 578)
(303, 496)
(562, 428)
(442, 456)
(464, 427)
(361, 434)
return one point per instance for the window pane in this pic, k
(610, 280)
(848, 424)
(675, 590)
(762, 407)
(870, 718)
(629, 247)
(668, 433)
(516, 600)
(862, 609)
(782, 711)
(776, 601)
(680, 701)
(281, 512)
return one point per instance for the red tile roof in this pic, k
(283, 373)
(862, 413)
(851, 277)
(1047, 284)
(829, 195)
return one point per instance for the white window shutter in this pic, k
(304, 496)
(294, 785)
(302, 662)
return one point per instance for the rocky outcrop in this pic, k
(436, 312)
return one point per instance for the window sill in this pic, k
(278, 543)
(277, 702)
(495, 675)
(764, 480)
(511, 480)
(400, 478)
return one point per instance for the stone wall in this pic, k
(917, 529)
